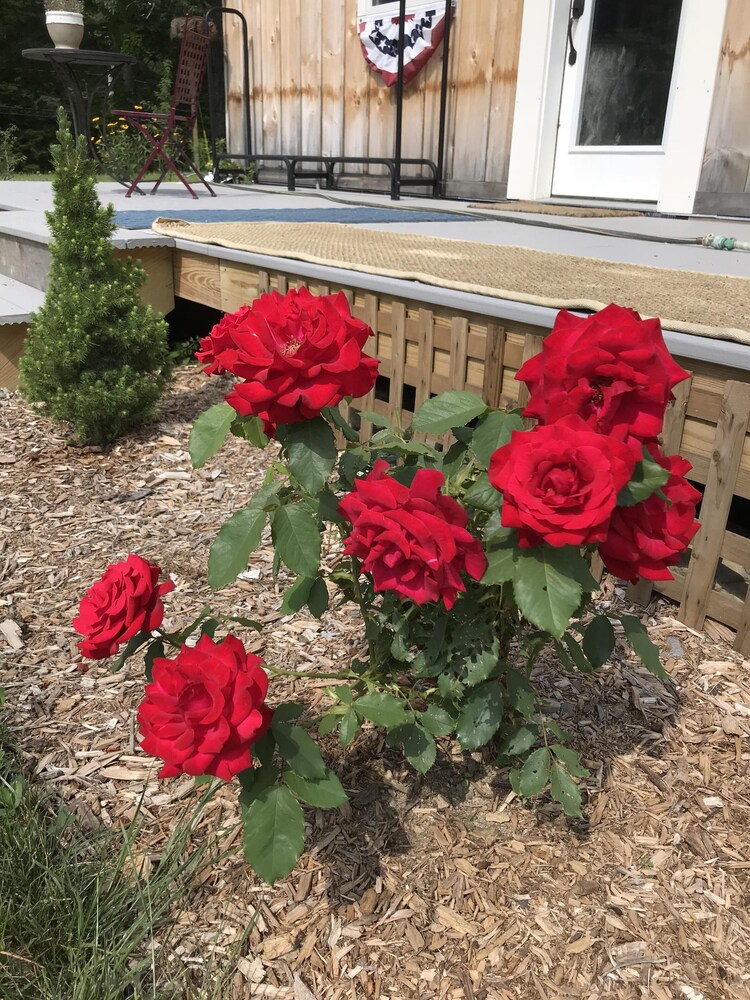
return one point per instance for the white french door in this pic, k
(617, 92)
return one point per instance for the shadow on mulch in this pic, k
(606, 715)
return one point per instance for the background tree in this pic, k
(30, 94)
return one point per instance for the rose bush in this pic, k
(464, 563)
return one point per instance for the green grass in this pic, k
(76, 921)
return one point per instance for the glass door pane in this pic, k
(628, 72)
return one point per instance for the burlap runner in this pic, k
(572, 211)
(688, 301)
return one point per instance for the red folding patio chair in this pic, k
(174, 129)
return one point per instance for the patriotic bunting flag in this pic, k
(423, 33)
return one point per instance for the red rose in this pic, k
(560, 482)
(204, 709)
(645, 539)
(612, 369)
(411, 539)
(297, 353)
(126, 601)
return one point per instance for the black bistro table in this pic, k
(83, 73)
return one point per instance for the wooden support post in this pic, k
(398, 360)
(722, 473)
(425, 360)
(742, 642)
(492, 387)
(368, 402)
(457, 370)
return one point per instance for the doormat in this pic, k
(356, 216)
(712, 305)
(575, 211)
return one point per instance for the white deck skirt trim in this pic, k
(684, 345)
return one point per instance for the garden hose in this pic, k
(724, 243)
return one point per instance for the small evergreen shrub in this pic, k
(96, 356)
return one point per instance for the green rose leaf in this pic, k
(255, 781)
(521, 694)
(375, 418)
(323, 793)
(312, 453)
(288, 711)
(648, 478)
(482, 659)
(349, 727)
(548, 584)
(209, 433)
(296, 539)
(599, 641)
(492, 433)
(519, 741)
(133, 644)
(305, 591)
(251, 429)
(437, 721)
(450, 409)
(576, 653)
(483, 495)
(642, 645)
(238, 537)
(328, 722)
(334, 416)
(534, 774)
(564, 790)
(481, 715)
(382, 709)
(418, 744)
(299, 750)
(154, 652)
(570, 759)
(274, 833)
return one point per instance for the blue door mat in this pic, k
(354, 216)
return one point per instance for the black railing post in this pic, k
(396, 175)
(245, 83)
(438, 190)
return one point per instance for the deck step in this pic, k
(17, 302)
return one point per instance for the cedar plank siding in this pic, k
(313, 93)
(725, 180)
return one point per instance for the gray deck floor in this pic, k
(648, 240)
(635, 240)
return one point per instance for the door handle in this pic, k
(577, 8)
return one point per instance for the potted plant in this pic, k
(64, 22)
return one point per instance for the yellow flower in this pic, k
(121, 119)
(95, 119)
(111, 124)
(138, 107)
(123, 128)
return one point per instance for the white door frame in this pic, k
(539, 86)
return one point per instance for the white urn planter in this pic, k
(65, 28)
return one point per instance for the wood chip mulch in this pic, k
(444, 887)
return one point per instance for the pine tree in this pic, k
(96, 356)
